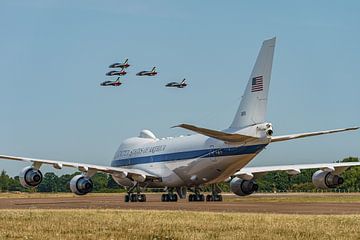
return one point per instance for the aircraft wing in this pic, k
(302, 135)
(248, 173)
(85, 168)
(227, 137)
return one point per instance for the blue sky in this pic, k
(54, 55)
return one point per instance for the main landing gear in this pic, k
(169, 197)
(196, 196)
(135, 197)
(215, 195)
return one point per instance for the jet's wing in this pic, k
(302, 135)
(249, 173)
(227, 137)
(90, 169)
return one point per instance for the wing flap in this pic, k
(226, 137)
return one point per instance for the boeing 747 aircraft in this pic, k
(206, 158)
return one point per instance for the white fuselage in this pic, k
(187, 160)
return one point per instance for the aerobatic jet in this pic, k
(147, 73)
(115, 83)
(181, 84)
(120, 65)
(116, 73)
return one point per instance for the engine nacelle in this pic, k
(243, 187)
(324, 180)
(81, 185)
(30, 177)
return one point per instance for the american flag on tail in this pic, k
(257, 84)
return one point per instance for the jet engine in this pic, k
(30, 177)
(324, 180)
(81, 185)
(243, 187)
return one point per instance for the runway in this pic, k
(257, 203)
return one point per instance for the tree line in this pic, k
(271, 182)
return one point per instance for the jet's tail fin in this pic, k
(183, 81)
(253, 104)
(153, 69)
(118, 79)
(126, 61)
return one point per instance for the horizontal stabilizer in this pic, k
(226, 137)
(302, 135)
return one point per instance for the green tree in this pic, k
(50, 183)
(351, 176)
(4, 181)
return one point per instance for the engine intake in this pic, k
(324, 180)
(81, 185)
(243, 187)
(30, 177)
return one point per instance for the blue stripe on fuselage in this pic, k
(205, 153)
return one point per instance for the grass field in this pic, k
(131, 224)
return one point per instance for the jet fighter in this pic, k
(181, 84)
(120, 65)
(116, 73)
(115, 83)
(147, 73)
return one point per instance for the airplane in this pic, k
(147, 73)
(182, 84)
(115, 83)
(120, 65)
(209, 157)
(116, 73)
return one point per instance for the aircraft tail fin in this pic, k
(126, 61)
(153, 69)
(253, 104)
(183, 81)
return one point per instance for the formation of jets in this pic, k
(121, 72)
